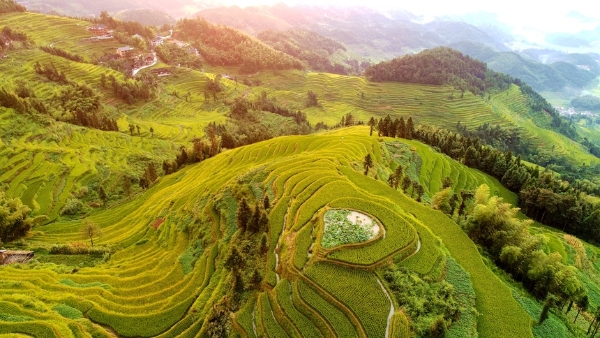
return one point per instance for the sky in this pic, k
(531, 19)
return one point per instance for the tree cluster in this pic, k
(310, 47)
(8, 6)
(174, 55)
(254, 220)
(543, 196)
(202, 149)
(220, 45)
(131, 91)
(400, 179)
(591, 102)
(8, 37)
(51, 73)
(493, 224)
(14, 218)
(424, 301)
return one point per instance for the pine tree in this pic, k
(234, 260)
(266, 202)
(368, 163)
(254, 224)
(410, 129)
(243, 215)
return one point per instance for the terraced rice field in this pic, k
(148, 287)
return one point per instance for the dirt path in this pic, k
(391, 314)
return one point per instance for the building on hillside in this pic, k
(10, 257)
(137, 36)
(4, 41)
(98, 29)
(162, 71)
(124, 51)
(157, 41)
(193, 51)
(148, 59)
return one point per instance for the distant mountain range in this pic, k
(368, 35)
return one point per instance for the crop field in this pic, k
(151, 286)
(164, 266)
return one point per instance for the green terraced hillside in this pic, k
(152, 284)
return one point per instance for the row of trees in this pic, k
(62, 53)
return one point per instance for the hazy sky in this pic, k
(526, 17)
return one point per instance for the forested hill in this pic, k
(437, 66)
(310, 47)
(224, 46)
(446, 66)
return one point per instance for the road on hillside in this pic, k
(136, 70)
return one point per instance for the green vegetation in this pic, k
(340, 229)
(200, 215)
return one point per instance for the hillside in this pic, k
(185, 201)
(561, 70)
(197, 234)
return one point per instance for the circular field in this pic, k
(344, 226)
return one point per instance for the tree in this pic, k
(127, 186)
(371, 125)
(243, 214)
(547, 305)
(264, 243)
(266, 202)
(234, 260)
(102, 195)
(441, 201)
(152, 131)
(143, 183)
(582, 305)
(410, 129)
(138, 129)
(255, 279)
(447, 182)
(90, 230)
(131, 128)
(312, 100)
(406, 183)
(367, 163)
(254, 224)
(150, 174)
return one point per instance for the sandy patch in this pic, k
(356, 217)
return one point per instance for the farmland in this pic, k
(167, 265)
(170, 295)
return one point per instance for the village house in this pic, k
(137, 36)
(10, 257)
(157, 41)
(98, 29)
(124, 51)
(161, 71)
(148, 59)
